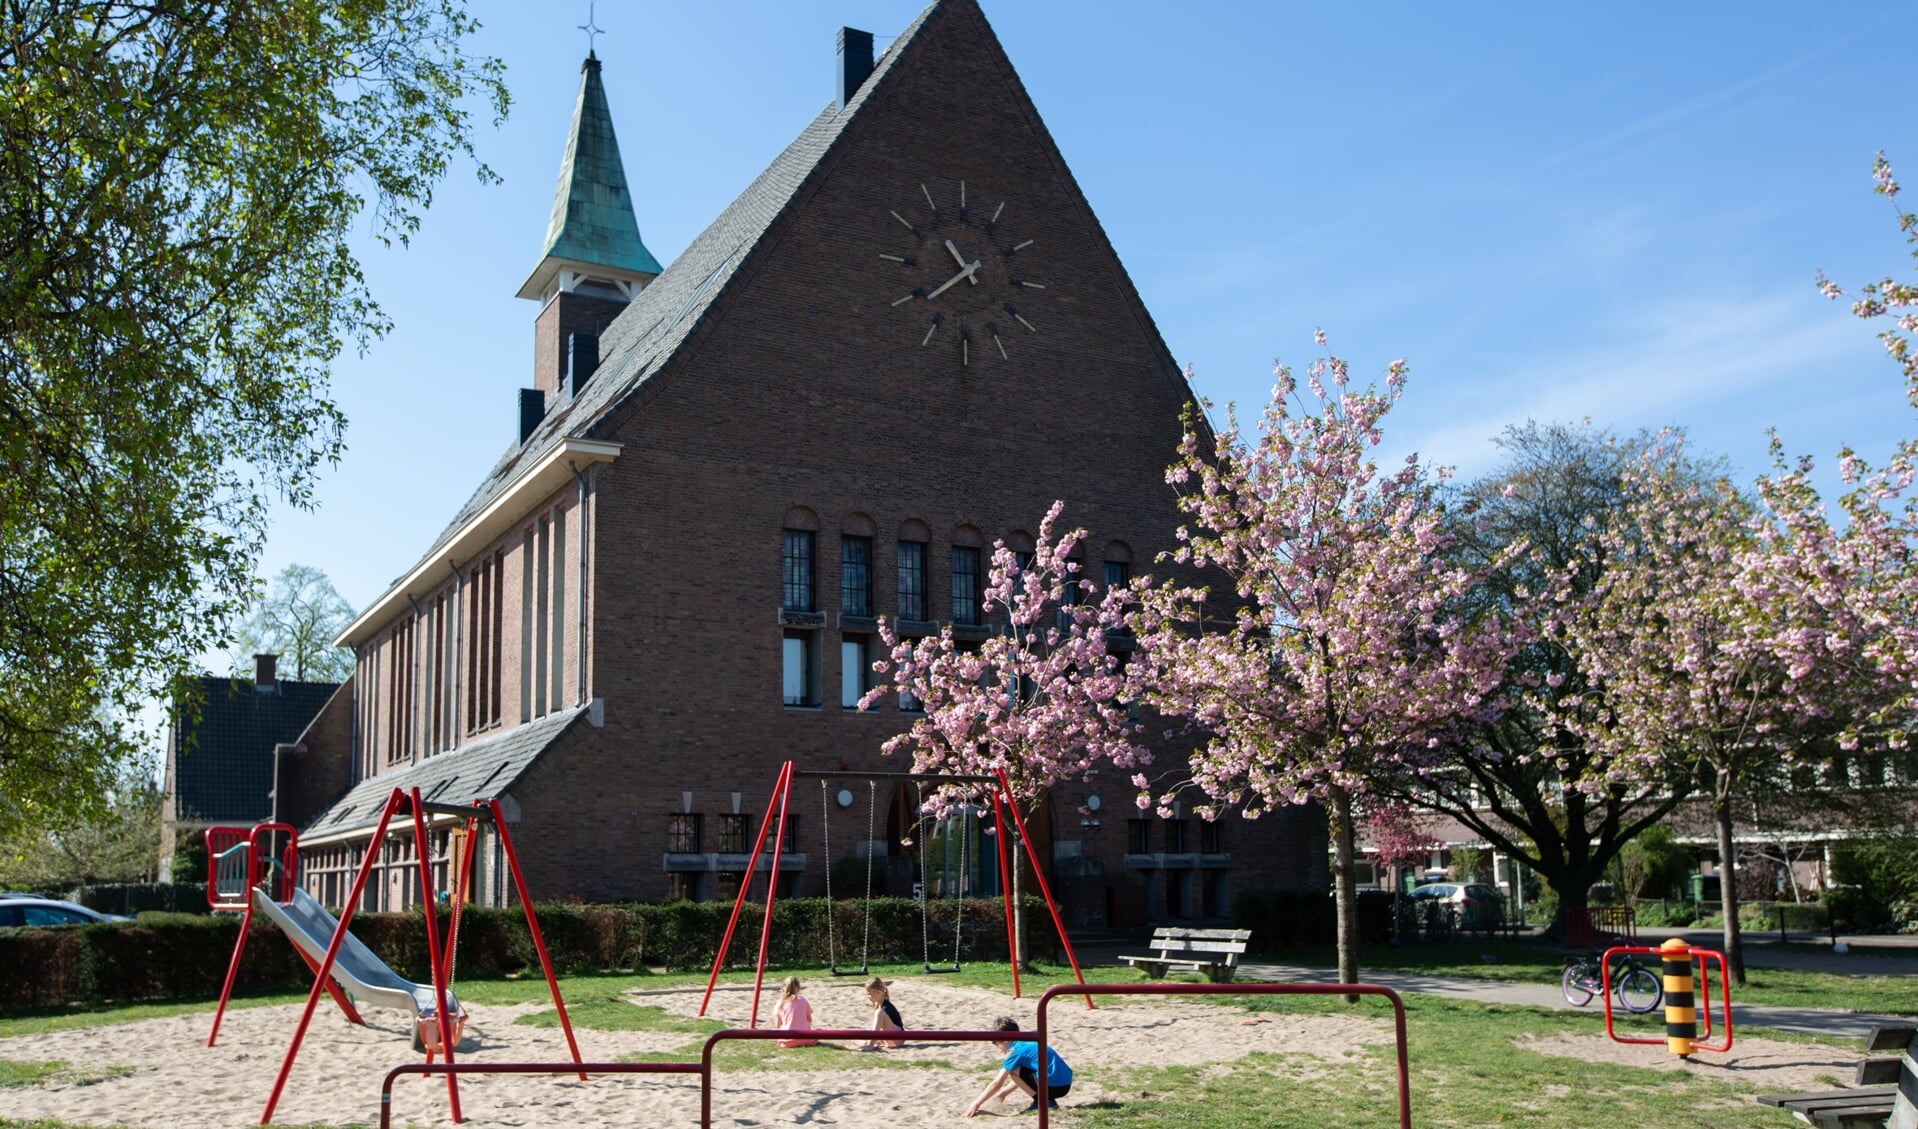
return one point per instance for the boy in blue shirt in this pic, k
(1020, 1070)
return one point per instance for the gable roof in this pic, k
(649, 333)
(223, 758)
(481, 770)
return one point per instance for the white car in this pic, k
(37, 912)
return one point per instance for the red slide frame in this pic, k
(439, 953)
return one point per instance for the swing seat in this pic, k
(426, 1031)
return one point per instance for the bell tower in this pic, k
(594, 262)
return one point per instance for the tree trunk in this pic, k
(1018, 912)
(1573, 885)
(1728, 880)
(1344, 852)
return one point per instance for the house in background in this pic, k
(902, 342)
(221, 756)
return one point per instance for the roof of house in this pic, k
(223, 758)
(480, 770)
(647, 335)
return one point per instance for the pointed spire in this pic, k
(592, 235)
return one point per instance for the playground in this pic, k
(1139, 1060)
(1268, 1050)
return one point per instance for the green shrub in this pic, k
(1799, 917)
(131, 898)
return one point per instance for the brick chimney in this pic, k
(265, 671)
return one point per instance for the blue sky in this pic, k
(1552, 211)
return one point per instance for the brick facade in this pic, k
(808, 394)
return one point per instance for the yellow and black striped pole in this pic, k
(1681, 1011)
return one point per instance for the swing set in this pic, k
(1005, 815)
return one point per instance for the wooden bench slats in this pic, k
(1214, 952)
(1838, 1109)
(1176, 946)
(1891, 1037)
(1877, 1071)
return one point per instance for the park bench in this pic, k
(1212, 952)
(1874, 1100)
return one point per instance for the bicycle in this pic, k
(1638, 989)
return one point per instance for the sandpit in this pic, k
(176, 1080)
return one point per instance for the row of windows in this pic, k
(799, 658)
(684, 834)
(1173, 839)
(856, 573)
(451, 649)
(855, 578)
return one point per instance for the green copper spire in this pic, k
(592, 230)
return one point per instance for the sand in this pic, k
(174, 1079)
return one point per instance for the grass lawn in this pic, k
(1530, 962)
(1465, 1072)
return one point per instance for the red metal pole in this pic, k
(772, 892)
(532, 926)
(332, 952)
(1040, 873)
(423, 858)
(999, 831)
(233, 968)
(752, 864)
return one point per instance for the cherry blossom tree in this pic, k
(1718, 637)
(1043, 700)
(1328, 642)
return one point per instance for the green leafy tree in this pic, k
(177, 187)
(119, 842)
(1655, 865)
(298, 620)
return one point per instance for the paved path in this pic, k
(1804, 1020)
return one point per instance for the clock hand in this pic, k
(941, 288)
(960, 259)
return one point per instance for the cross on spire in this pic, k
(591, 29)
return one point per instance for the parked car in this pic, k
(1477, 906)
(38, 912)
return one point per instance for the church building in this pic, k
(901, 343)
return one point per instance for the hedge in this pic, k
(184, 956)
(143, 897)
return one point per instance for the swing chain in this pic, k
(925, 883)
(825, 831)
(872, 806)
(961, 887)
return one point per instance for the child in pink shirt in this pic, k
(793, 1014)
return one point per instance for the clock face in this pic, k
(963, 287)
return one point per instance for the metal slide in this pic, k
(307, 924)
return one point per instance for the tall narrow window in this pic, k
(542, 593)
(496, 638)
(855, 575)
(965, 585)
(795, 571)
(557, 695)
(1118, 574)
(797, 661)
(526, 627)
(912, 580)
(855, 669)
